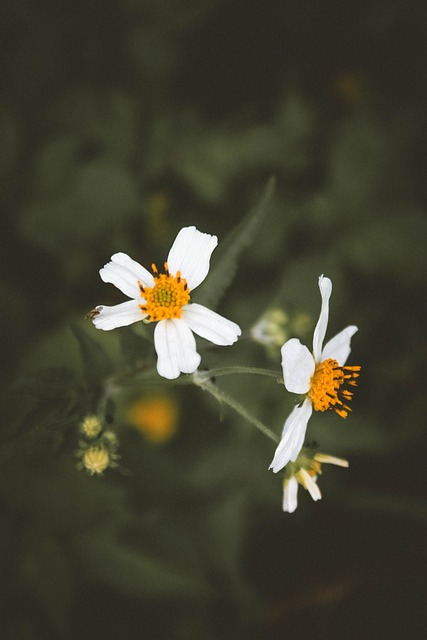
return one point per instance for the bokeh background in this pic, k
(121, 122)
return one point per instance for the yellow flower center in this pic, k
(328, 387)
(166, 298)
(96, 459)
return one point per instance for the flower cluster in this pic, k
(98, 446)
(321, 378)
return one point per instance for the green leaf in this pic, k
(229, 251)
(108, 560)
(45, 400)
(96, 364)
(134, 345)
(46, 572)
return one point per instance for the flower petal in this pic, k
(292, 436)
(325, 286)
(176, 348)
(190, 254)
(298, 366)
(290, 493)
(338, 347)
(119, 315)
(210, 325)
(324, 458)
(124, 273)
(309, 483)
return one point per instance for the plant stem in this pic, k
(221, 396)
(227, 371)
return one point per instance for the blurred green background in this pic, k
(120, 123)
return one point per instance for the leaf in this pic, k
(133, 345)
(95, 362)
(46, 573)
(222, 274)
(47, 399)
(108, 560)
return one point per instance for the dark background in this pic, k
(120, 123)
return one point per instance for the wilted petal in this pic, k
(210, 325)
(190, 254)
(292, 436)
(290, 493)
(124, 273)
(119, 315)
(325, 286)
(309, 483)
(298, 366)
(176, 348)
(338, 348)
(324, 458)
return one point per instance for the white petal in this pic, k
(309, 482)
(190, 254)
(290, 493)
(176, 348)
(119, 315)
(124, 273)
(210, 325)
(292, 436)
(338, 347)
(325, 286)
(324, 458)
(298, 366)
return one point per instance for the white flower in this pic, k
(320, 376)
(304, 472)
(165, 298)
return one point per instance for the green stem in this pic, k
(221, 396)
(227, 371)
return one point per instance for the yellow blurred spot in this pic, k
(155, 416)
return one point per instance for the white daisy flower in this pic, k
(165, 298)
(321, 376)
(304, 472)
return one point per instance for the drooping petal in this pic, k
(176, 348)
(292, 436)
(338, 347)
(190, 254)
(290, 495)
(119, 315)
(124, 273)
(210, 325)
(325, 286)
(309, 483)
(298, 366)
(324, 458)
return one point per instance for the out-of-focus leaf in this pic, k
(134, 345)
(97, 365)
(91, 198)
(108, 560)
(11, 142)
(45, 400)
(46, 572)
(55, 492)
(230, 250)
(389, 242)
(358, 163)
